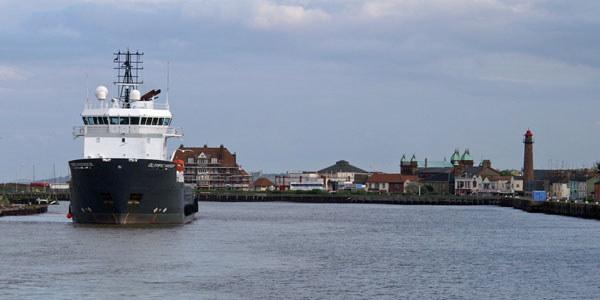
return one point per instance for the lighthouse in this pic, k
(528, 159)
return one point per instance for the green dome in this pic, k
(466, 156)
(455, 156)
(413, 158)
(403, 158)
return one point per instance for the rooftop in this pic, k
(385, 177)
(342, 166)
(262, 182)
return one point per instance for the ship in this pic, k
(125, 176)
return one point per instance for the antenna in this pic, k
(128, 66)
(168, 73)
(87, 92)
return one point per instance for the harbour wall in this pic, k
(564, 208)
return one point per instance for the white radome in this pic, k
(101, 92)
(134, 95)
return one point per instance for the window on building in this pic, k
(190, 160)
(213, 160)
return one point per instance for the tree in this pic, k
(411, 188)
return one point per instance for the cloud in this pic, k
(8, 73)
(417, 9)
(256, 14)
(520, 69)
(270, 15)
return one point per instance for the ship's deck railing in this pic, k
(147, 105)
(127, 129)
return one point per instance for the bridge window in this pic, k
(143, 121)
(149, 121)
(167, 121)
(95, 120)
(134, 120)
(85, 122)
(114, 120)
(105, 120)
(160, 121)
(90, 121)
(124, 121)
(154, 121)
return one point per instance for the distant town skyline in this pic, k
(298, 85)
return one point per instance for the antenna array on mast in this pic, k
(128, 66)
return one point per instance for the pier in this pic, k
(25, 198)
(23, 210)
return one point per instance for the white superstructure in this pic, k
(131, 126)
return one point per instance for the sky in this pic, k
(297, 85)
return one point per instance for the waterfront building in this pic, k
(263, 184)
(342, 173)
(591, 180)
(427, 168)
(301, 181)
(487, 185)
(389, 183)
(560, 190)
(577, 186)
(212, 168)
(474, 180)
(442, 183)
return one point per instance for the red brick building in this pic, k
(212, 168)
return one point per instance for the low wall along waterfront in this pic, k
(576, 209)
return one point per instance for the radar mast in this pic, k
(128, 66)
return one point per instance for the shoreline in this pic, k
(564, 208)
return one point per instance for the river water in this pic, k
(306, 251)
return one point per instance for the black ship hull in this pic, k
(129, 191)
